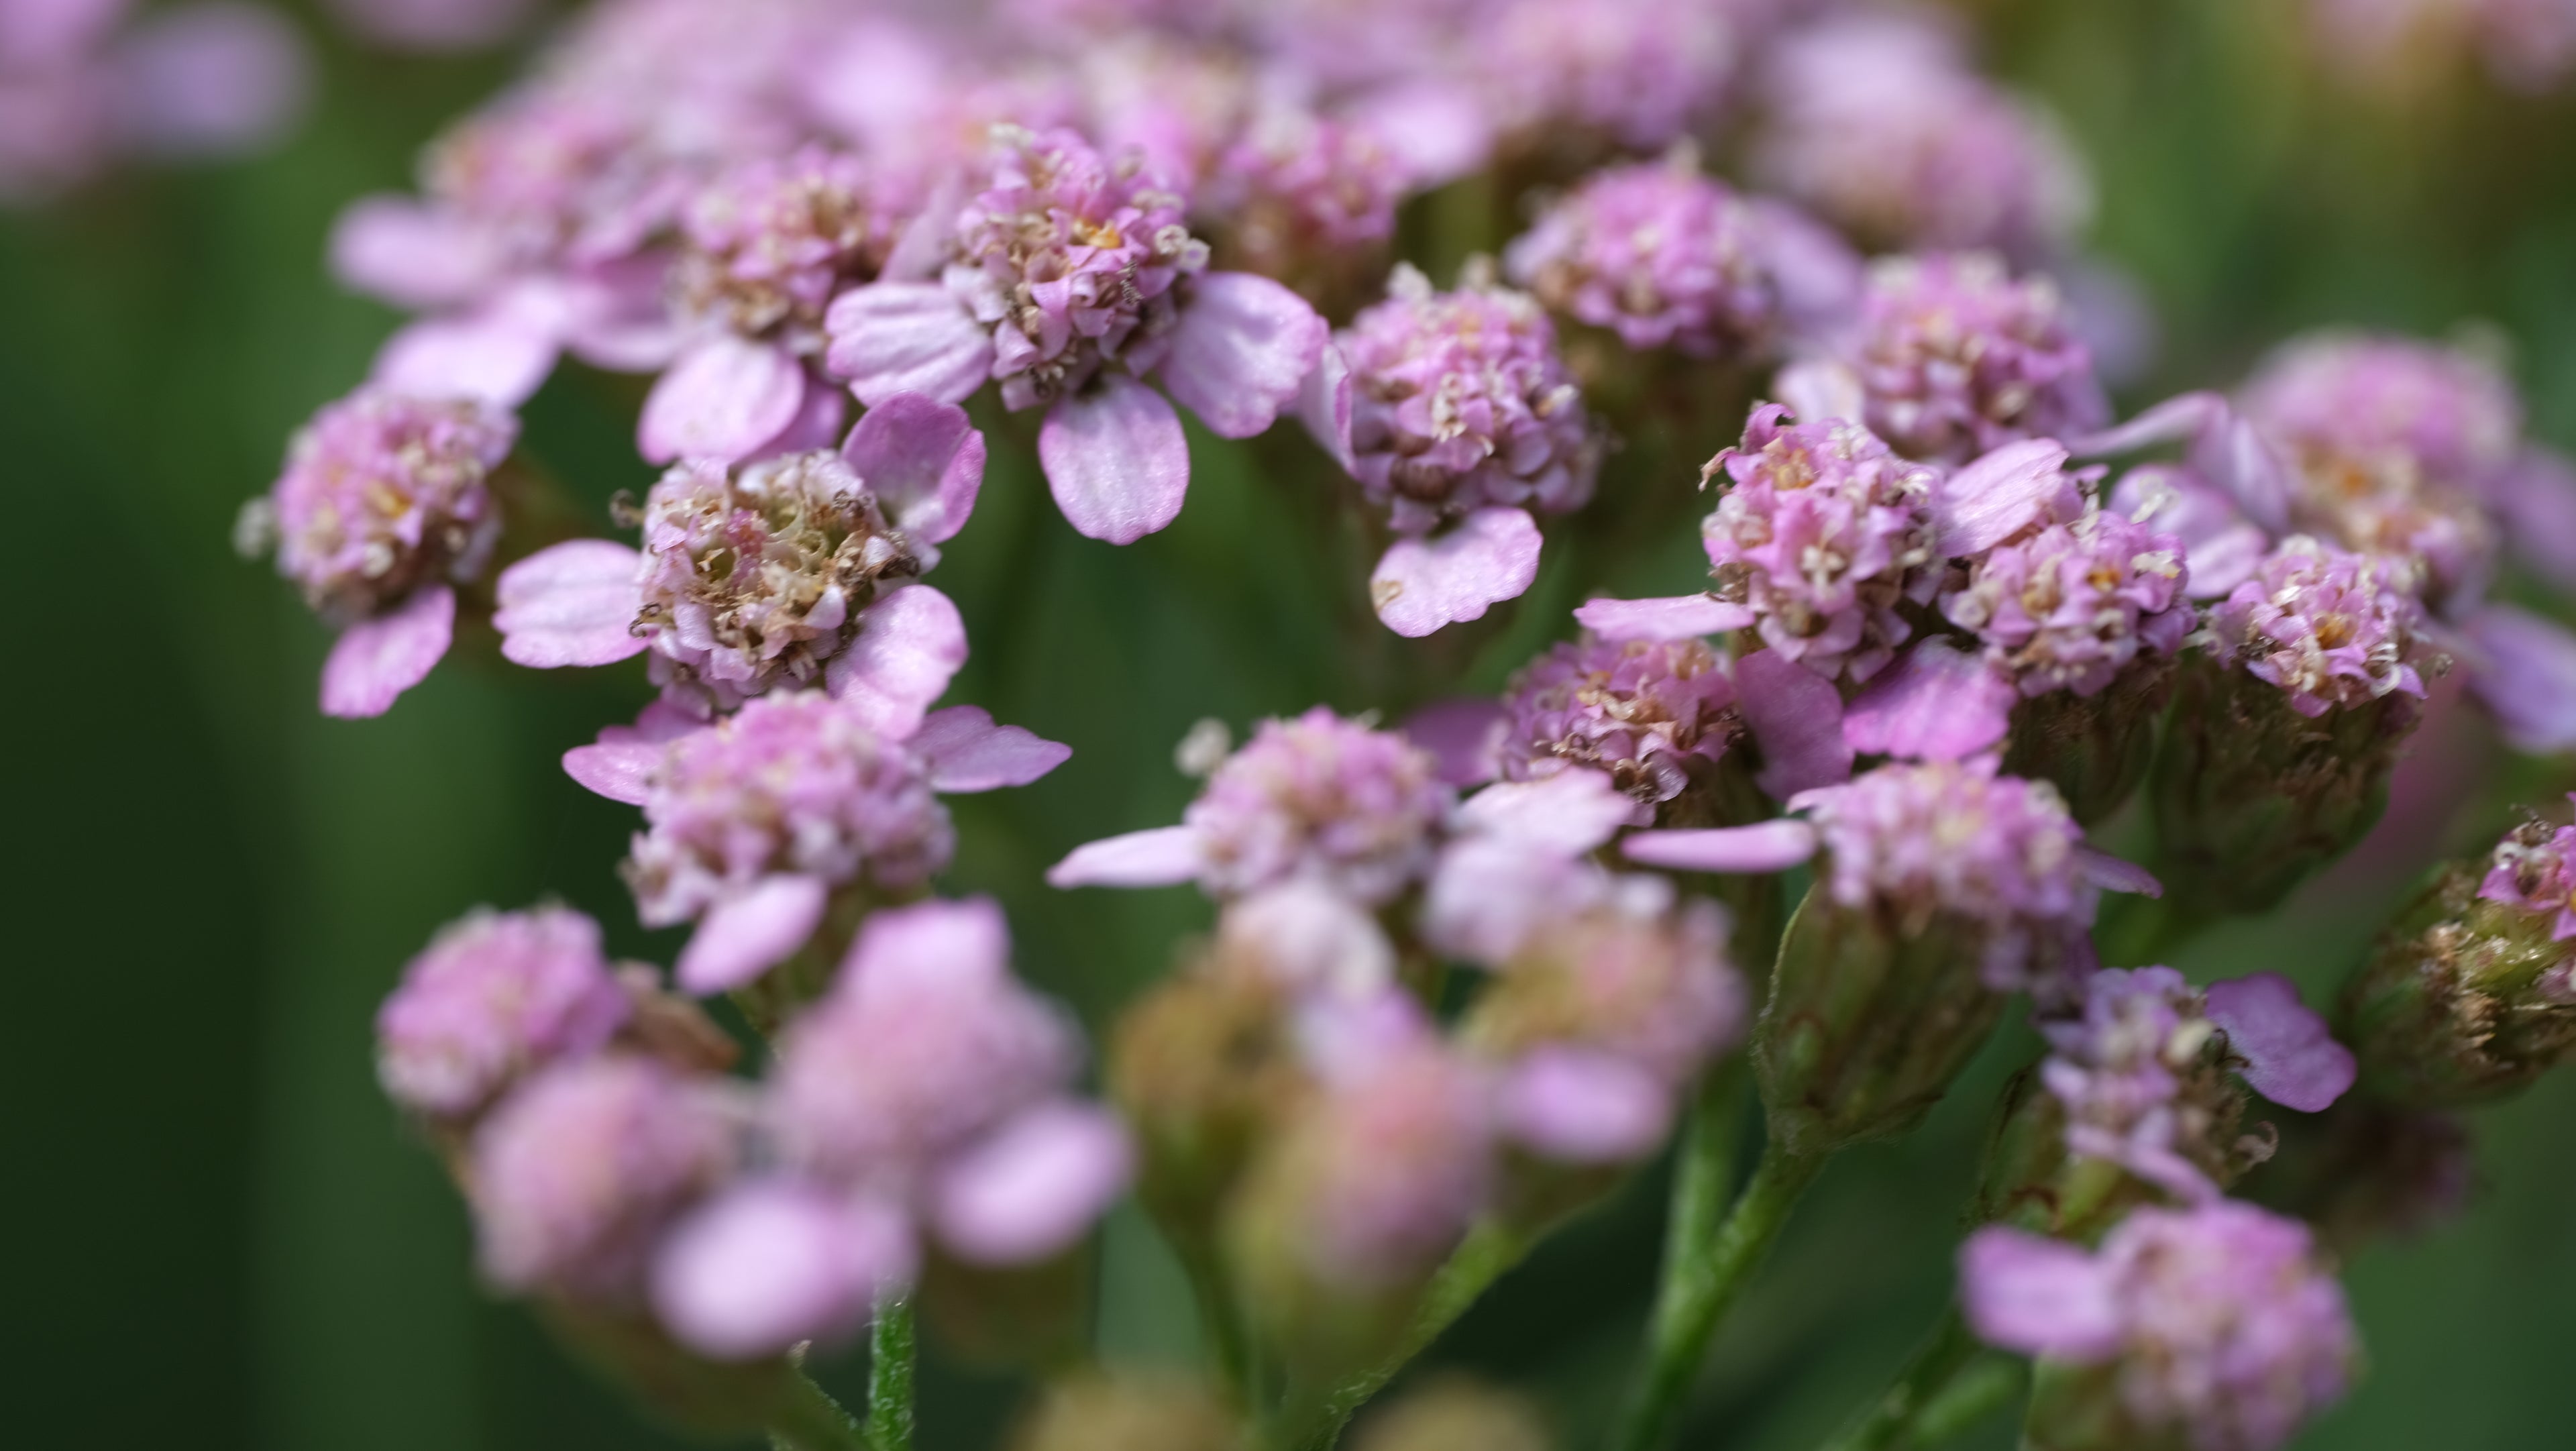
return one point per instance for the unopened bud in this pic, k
(1455, 1414)
(1201, 1068)
(1092, 1411)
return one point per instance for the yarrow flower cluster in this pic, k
(1953, 838)
(2077, 603)
(496, 997)
(2534, 868)
(2330, 629)
(1641, 711)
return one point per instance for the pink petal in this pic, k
(2115, 874)
(744, 936)
(499, 352)
(2538, 500)
(2184, 416)
(1313, 939)
(572, 604)
(379, 658)
(2220, 545)
(923, 459)
(1034, 1188)
(773, 1263)
(2236, 457)
(909, 646)
(1991, 500)
(822, 413)
(414, 256)
(1585, 1107)
(722, 400)
(1465, 735)
(967, 752)
(1795, 716)
(1439, 128)
(1115, 459)
(1158, 858)
(616, 316)
(1938, 704)
(907, 337)
(1243, 346)
(2289, 1056)
(2527, 678)
(1324, 404)
(618, 770)
(208, 79)
(1485, 558)
(1569, 813)
(1819, 389)
(1673, 617)
(1768, 846)
(933, 938)
(1815, 271)
(1490, 893)
(2038, 1296)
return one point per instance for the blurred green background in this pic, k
(227, 1239)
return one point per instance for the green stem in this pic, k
(1986, 1386)
(1219, 1316)
(1488, 1251)
(810, 1420)
(890, 1352)
(1703, 1174)
(1893, 1419)
(1701, 1284)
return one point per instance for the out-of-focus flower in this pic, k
(1318, 798)
(384, 508)
(1640, 711)
(1877, 123)
(1069, 280)
(433, 25)
(1667, 257)
(1091, 1410)
(2529, 45)
(1453, 1414)
(2213, 1327)
(1953, 357)
(790, 571)
(1636, 74)
(1456, 415)
(497, 995)
(577, 1174)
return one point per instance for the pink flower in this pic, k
(2534, 868)
(1294, 185)
(383, 509)
(1069, 280)
(1640, 711)
(2070, 607)
(495, 997)
(2331, 629)
(1640, 73)
(1317, 798)
(785, 572)
(578, 1173)
(2224, 1330)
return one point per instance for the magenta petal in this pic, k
(1243, 346)
(822, 413)
(500, 353)
(909, 646)
(772, 1263)
(2184, 416)
(1819, 389)
(1115, 459)
(2538, 500)
(2038, 1296)
(967, 752)
(572, 604)
(618, 770)
(907, 337)
(1990, 500)
(1585, 1107)
(949, 938)
(2289, 1056)
(1488, 557)
(377, 659)
(1465, 735)
(2236, 457)
(1324, 403)
(923, 460)
(1938, 704)
(1768, 846)
(722, 400)
(1672, 617)
(1034, 1187)
(1568, 814)
(1796, 717)
(2527, 677)
(1156, 858)
(748, 934)
(412, 255)
(2116, 874)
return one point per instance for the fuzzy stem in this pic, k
(810, 1420)
(1894, 1418)
(890, 1353)
(1701, 1285)
(1489, 1250)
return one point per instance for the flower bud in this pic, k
(1201, 1067)
(1455, 1414)
(2363, 1171)
(1092, 1411)
(2285, 733)
(2471, 994)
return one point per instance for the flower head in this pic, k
(2216, 1326)
(2331, 629)
(1641, 711)
(1639, 73)
(2072, 606)
(384, 493)
(2534, 868)
(577, 1173)
(1956, 357)
(1459, 401)
(773, 239)
(1323, 798)
(496, 996)
(1294, 184)
(1822, 532)
(1657, 252)
(754, 577)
